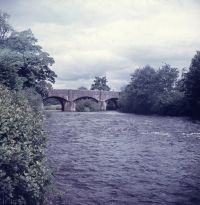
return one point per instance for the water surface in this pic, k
(124, 159)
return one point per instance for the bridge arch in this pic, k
(86, 103)
(61, 100)
(86, 97)
(112, 103)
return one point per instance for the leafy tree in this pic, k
(100, 83)
(10, 64)
(35, 68)
(25, 60)
(192, 86)
(166, 95)
(137, 95)
(5, 28)
(167, 78)
(34, 99)
(152, 91)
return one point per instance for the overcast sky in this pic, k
(112, 38)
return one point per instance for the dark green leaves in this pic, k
(100, 83)
(23, 173)
(192, 86)
(150, 91)
(5, 28)
(23, 63)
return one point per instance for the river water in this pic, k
(124, 159)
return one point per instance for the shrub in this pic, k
(86, 105)
(23, 173)
(34, 99)
(171, 103)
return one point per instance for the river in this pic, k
(111, 158)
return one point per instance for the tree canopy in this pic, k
(23, 63)
(100, 83)
(191, 83)
(5, 28)
(150, 91)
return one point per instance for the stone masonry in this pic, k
(68, 98)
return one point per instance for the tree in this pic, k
(141, 90)
(166, 96)
(167, 78)
(5, 28)
(10, 64)
(192, 86)
(25, 60)
(35, 68)
(100, 83)
(152, 91)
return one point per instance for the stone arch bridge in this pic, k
(68, 98)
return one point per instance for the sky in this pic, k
(111, 38)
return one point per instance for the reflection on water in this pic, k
(114, 158)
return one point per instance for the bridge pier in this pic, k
(103, 105)
(70, 106)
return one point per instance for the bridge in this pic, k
(69, 98)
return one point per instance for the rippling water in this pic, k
(124, 159)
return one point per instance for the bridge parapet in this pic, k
(77, 94)
(106, 95)
(59, 93)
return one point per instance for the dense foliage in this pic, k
(87, 105)
(112, 105)
(5, 28)
(191, 86)
(23, 174)
(25, 77)
(23, 63)
(162, 92)
(100, 83)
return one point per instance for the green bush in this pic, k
(87, 105)
(34, 99)
(23, 173)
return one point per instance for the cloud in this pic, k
(113, 38)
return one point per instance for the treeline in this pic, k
(164, 91)
(25, 77)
